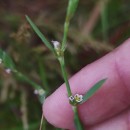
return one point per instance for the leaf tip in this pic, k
(26, 15)
(104, 79)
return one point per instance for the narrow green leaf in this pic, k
(40, 91)
(9, 64)
(72, 5)
(38, 32)
(93, 90)
(71, 9)
(6, 60)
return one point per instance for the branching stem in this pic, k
(77, 121)
(62, 65)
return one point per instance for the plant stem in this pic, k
(43, 76)
(41, 124)
(66, 26)
(77, 121)
(25, 78)
(72, 5)
(62, 65)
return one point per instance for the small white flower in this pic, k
(36, 91)
(8, 71)
(41, 91)
(0, 60)
(71, 98)
(78, 98)
(56, 44)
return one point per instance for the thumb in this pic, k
(111, 99)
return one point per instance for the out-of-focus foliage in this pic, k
(86, 43)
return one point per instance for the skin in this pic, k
(109, 108)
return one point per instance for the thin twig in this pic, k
(94, 16)
(24, 110)
(41, 122)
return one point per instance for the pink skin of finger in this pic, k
(112, 98)
(119, 122)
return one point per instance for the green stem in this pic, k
(66, 27)
(62, 65)
(77, 121)
(43, 76)
(25, 78)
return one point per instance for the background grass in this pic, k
(96, 29)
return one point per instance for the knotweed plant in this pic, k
(58, 49)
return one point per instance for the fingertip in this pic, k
(122, 60)
(57, 109)
(54, 108)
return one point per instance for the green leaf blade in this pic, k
(72, 6)
(92, 90)
(6, 60)
(41, 92)
(38, 32)
(9, 64)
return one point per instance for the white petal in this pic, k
(8, 71)
(36, 91)
(56, 44)
(78, 98)
(71, 98)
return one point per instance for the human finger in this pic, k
(111, 99)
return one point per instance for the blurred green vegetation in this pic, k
(96, 29)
